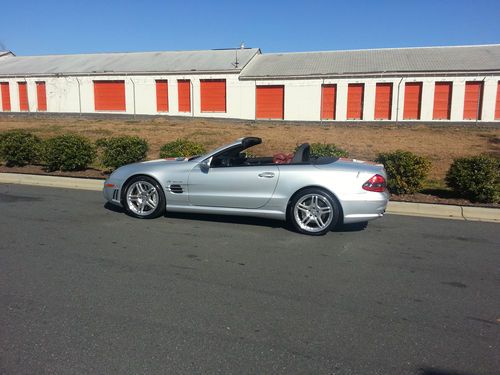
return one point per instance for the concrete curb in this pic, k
(52, 181)
(444, 211)
(397, 208)
(425, 209)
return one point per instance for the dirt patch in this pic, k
(41, 170)
(440, 197)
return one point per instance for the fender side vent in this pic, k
(115, 194)
(176, 189)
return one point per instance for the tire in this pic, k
(314, 212)
(143, 198)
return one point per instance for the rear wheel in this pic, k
(144, 198)
(314, 212)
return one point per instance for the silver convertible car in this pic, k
(313, 193)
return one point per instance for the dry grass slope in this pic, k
(440, 144)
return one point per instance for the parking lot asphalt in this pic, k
(85, 289)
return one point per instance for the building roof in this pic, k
(133, 62)
(375, 61)
(6, 53)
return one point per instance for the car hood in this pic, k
(163, 161)
(156, 163)
(147, 167)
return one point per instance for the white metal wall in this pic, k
(302, 97)
(76, 94)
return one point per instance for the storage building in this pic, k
(456, 84)
(185, 83)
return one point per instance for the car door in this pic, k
(247, 187)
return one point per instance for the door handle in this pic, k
(266, 174)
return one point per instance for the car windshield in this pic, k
(214, 151)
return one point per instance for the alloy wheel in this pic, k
(313, 213)
(142, 198)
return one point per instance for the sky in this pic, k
(60, 27)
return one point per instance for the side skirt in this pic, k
(270, 214)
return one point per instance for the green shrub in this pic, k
(18, 148)
(181, 147)
(118, 151)
(406, 171)
(327, 149)
(68, 152)
(476, 178)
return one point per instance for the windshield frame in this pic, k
(238, 143)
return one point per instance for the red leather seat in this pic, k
(282, 158)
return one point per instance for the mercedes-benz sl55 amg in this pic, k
(314, 194)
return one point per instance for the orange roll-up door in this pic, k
(162, 96)
(328, 101)
(497, 108)
(383, 101)
(355, 101)
(184, 94)
(270, 101)
(442, 101)
(23, 96)
(41, 96)
(473, 100)
(109, 95)
(5, 92)
(413, 101)
(213, 95)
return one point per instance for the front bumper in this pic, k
(112, 192)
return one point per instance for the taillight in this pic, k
(375, 183)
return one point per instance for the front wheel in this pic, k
(313, 212)
(144, 198)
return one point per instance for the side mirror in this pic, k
(205, 165)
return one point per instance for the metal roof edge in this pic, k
(130, 53)
(257, 52)
(251, 61)
(381, 49)
(6, 53)
(374, 74)
(125, 74)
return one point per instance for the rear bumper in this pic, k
(359, 210)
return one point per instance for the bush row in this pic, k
(406, 171)
(72, 152)
(476, 178)
(328, 149)
(181, 147)
(118, 151)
